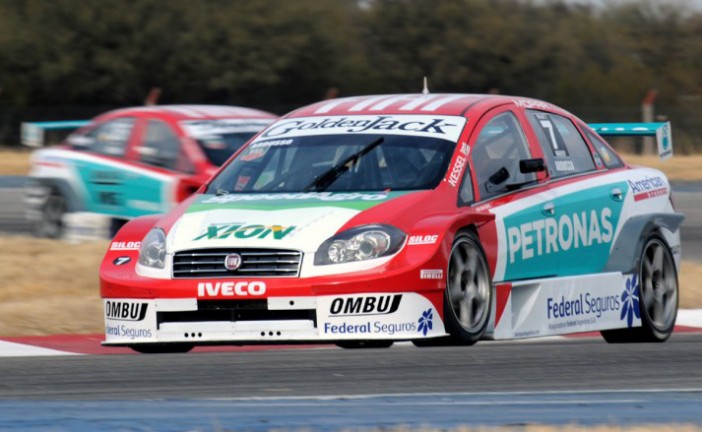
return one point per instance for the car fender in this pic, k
(36, 200)
(625, 254)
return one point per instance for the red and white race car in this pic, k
(135, 161)
(445, 218)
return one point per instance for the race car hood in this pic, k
(300, 221)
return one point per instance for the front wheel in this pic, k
(654, 297)
(468, 290)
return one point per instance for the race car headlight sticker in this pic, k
(152, 252)
(360, 244)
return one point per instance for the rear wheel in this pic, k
(51, 223)
(654, 297)
(165, 348)
(468, 291)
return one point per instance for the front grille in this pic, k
(234, 311)
(254, 263)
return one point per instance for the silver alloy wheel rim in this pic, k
(53, 216)
(659, 285)
(469, 286)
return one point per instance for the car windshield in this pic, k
(219, 139)
(349, 162)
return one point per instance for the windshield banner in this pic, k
(435, 126)
(208, 128)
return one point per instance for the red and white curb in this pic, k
(688, 321)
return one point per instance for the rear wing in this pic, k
(33, 133)
(661, 131)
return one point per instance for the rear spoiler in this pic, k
(33, 133)
(661, 131)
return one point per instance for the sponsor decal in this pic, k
(369, 327)
(648, 187)
(271, 143)
(253, 154)
(125, 311)
(106, 177)
(549, 235)
(375, 315)
(230, 289)
(240, 231)
(424, 324)
(132, 245)
(458, 166)
(422, 239)
(365, 305)
(445, 127)
(127, 332)
(232, 261)
(575, 240)
(529, 104)
(119, 261)
(431, 274)
(208, 129)
(630, 299)
(565, 165)
(586, 304)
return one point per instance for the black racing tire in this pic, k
(656, 295)
(468, 294)
(435, 342)
(51, 223)
(162, 348)
(365, 344)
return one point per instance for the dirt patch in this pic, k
(51, 287)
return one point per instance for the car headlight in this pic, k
(152, 252)
(360, 244)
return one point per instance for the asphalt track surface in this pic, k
(572, 381)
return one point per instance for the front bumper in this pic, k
(378, 315)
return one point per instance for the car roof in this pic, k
(191, 112)
(422, 104)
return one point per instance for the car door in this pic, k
(101, 167)
(588, 203)
(520, 206)
(159, 163)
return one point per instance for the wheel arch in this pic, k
(61, 186)
(625, 254)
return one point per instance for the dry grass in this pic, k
(678, 168)
(14, 161)
(51, 287)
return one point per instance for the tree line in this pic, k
(598, 62)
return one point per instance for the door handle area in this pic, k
(548, 209)
(616, 194)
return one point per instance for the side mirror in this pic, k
(527, 166)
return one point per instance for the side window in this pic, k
(161, 146)
(609, 158)
(496, 155)
(565, 149)
(111, 138)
